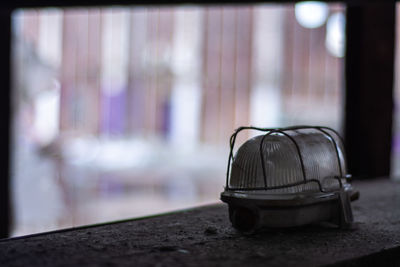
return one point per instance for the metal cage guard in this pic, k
(283, 131)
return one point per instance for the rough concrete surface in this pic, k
(204, 237)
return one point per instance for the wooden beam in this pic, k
(369, 88)
(5, 82)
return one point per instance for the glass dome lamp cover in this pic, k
(288, 177)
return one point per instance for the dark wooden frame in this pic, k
(369, 76)
(369, 72)
(5, 114)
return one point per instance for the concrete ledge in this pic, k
(204, 237)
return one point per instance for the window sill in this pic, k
(204, 236)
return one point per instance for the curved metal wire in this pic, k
(297, 149)
(270, 131)
(336, 150)
(284, 186)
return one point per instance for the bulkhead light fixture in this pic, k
(288, 177)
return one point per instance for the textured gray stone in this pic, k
(204, 237)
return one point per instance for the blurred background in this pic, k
(127, 112)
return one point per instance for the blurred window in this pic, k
(126, 112)
(395, 166)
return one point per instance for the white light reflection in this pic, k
(335, 38)
(311, 14)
